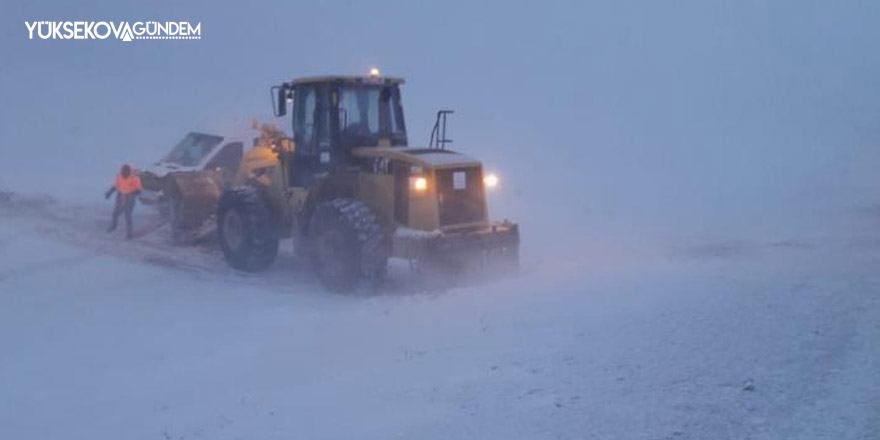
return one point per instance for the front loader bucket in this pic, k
(192, 199)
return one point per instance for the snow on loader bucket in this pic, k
(191, 200)
(186, 184)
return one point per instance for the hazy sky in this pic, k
(597, 112)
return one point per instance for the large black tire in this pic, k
(347, 244)
(246, 229)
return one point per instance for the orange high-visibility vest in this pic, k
(127, 185)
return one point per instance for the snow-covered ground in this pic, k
(696, 183)
(106, 339)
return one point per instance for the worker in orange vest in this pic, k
(127, 187)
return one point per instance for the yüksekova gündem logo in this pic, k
(123, 30)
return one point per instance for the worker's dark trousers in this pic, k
(124, 204)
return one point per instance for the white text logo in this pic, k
(123, 30)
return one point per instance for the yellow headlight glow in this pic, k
(490, 181)
(420, 184)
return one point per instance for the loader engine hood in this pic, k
(419, 156)
(433, 189)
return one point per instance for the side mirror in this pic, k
(280, 95)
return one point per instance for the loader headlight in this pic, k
(490, 181)
(419, 184)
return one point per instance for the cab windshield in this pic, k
(369, 113)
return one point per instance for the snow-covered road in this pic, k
(102, 339)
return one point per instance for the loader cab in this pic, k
(332, 115)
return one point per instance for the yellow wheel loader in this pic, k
(351, 193)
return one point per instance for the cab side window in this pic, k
(305, 110)
(311, 132)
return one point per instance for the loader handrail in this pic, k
(438, 133)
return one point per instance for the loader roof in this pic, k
(348, 79)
